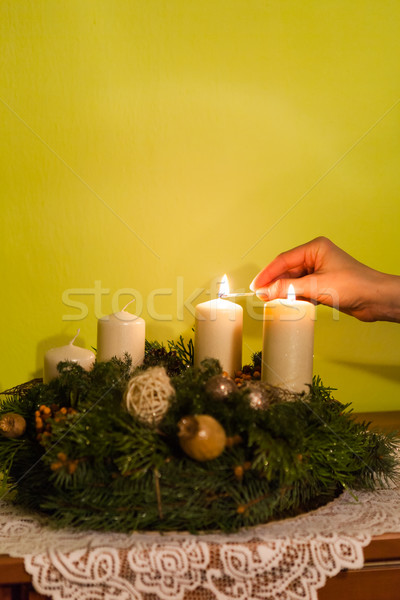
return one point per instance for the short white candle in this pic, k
(288, 343)
(121, 333)
(218, 333)
(81, 356)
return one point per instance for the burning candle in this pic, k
(119, 334)
(218, 331)
(81, 356)
(288, 343)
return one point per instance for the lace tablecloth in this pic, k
(287, 559)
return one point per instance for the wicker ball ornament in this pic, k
(148, 394)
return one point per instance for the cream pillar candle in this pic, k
(81, 356)
(218, 333)
(121, 333)
(288, 343)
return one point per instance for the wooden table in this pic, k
(379, 579)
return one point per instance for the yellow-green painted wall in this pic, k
(157, 144)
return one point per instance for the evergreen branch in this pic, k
(185, 353)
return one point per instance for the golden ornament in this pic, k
(12, 425)
(201, 437)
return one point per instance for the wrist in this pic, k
(386, 305)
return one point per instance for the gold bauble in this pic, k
(12, 425)
(201, 437)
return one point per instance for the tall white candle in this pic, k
(121, 333)
(218, 333)
(83, 357)
(288, 343)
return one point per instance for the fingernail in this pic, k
(262, 293)
(252, 285)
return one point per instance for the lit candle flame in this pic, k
(223, 286)
(291, 294)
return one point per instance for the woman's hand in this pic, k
(320, 271)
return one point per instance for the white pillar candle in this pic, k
(218, 333)
(288, 343)
(81, 356)
(121, 333)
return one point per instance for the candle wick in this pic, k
(130, 302)
(77, 333)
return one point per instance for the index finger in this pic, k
(298, 258)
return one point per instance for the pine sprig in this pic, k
(184, 352)
(175, 360)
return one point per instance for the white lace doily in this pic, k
(287, 559)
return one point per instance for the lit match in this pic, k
(236, 295)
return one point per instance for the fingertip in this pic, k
(263, 294)
(257, 282)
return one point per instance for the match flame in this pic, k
(291, 294)
(223, 287)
